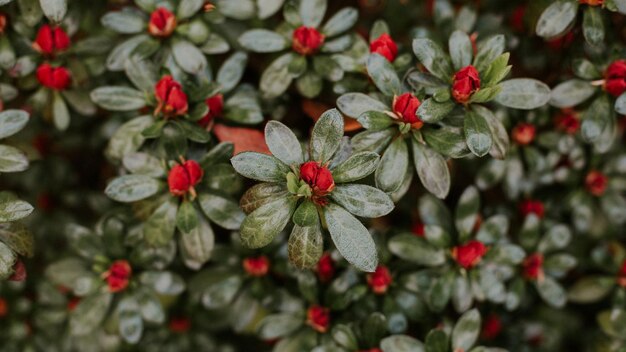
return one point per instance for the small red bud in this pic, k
(51, 40)
(531, 206)
(469, 254)
(256, 266)
(379, 280)
(533, 266)
(318, 318)
(171, 99)
(466, 82)
(307, 40)
(523, 133)
(596, 183)
(405, 107)
(384, 46)
(57, 78)
(325, 268)
(118, 276)
(183, 177)
(162, 23)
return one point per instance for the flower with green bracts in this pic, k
(315, 192)
(197, 193)
(314, 49)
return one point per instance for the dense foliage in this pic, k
(313, 175)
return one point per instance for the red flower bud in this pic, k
(216, 106)
(469, 254)
(118, 275)
(325, 268)
(19, 271)
(179, 325)
(379, 280)
(318, 318)
(405, 107)
(4, 308)
(596, 183)
(567, 122)
(162, 23)
(530, 206)
(533, 266)
(72, 303)
(3, 22)
(418, 229)
(172, 101)
(621, 275)
(307, 40)
(561, 42)
(491, 327)
(319, 178)
(183, 177)
(50, 41)
(516, 21)
(615, 78)
(257, 267)
(384, 46)
(466, 82)
(523, 133)
(57, 78)
(592, 2)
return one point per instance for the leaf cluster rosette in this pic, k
(318, 60)
(285, 197)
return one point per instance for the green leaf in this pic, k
(12, 121)
(450, 143)
(216, 44)
(557, 237)
(384, 75)
(362, 200)
(596, 118)
(276, 78)
(499, 134)
(523, 93)
(356, 167)
(283, 144)
(392, 167)
(496, 71)
(188, 57)
(305, 246)
(341, 21)
(356, 104)
(12, 210)
(17, 237)
(401, 343)
(7, 260)
(477, 134)
(467, 211)
(221, 210)
(375, 120)
(416, 250)
(267, 8)
(231, 71)
(620, 104)
(431, 111)
(164, 283)
(54, 9)
(351, 238)
(130, 321)
(159, 229)
(260, 167)
(488, 51)
(237, 9)
(186, 217)
(261, 194)
(125, 22)
(188, 8)
(275, 326)
(461, 299)
(144, 164)
(556, 19)
(571, 93)
(593, 25)
(131, 188)
(326, 136)
(263, 41)
(128, 137)
(262, 225)
(12, 159)
(60, 112)
(306, 214)
(466, 331)
(591, 289)
(312, 12)
(196, 246)
(461, 51)
(89, 314)
(433, 58)
(118, 98)
(551, 292)
(437, 341)
(432, 170)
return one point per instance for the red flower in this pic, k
(179, 325)
(596, 183)
(172, 101)
(621, 276)
(318, 318)
(530, 206)
(162, 23)
(3, 22)
(418, 229)
(325, 268)
(615, 78)
(19, 271)
(379, 280)
(216, 106)
(561, 42)
(517, 18)
(118, 275)
(319, 178)
(384, 46)
(567, 121)
(469, 254)
(50, 41)
(307, 40)
(4, 308)
(492, 327)
(533, 266)
(405, 107)
(466, 82)
(592, 2)
(72, 303)
(523, 133)
(183, 177)
(57, 78)
(257, 267)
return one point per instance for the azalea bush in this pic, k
(313, 175)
